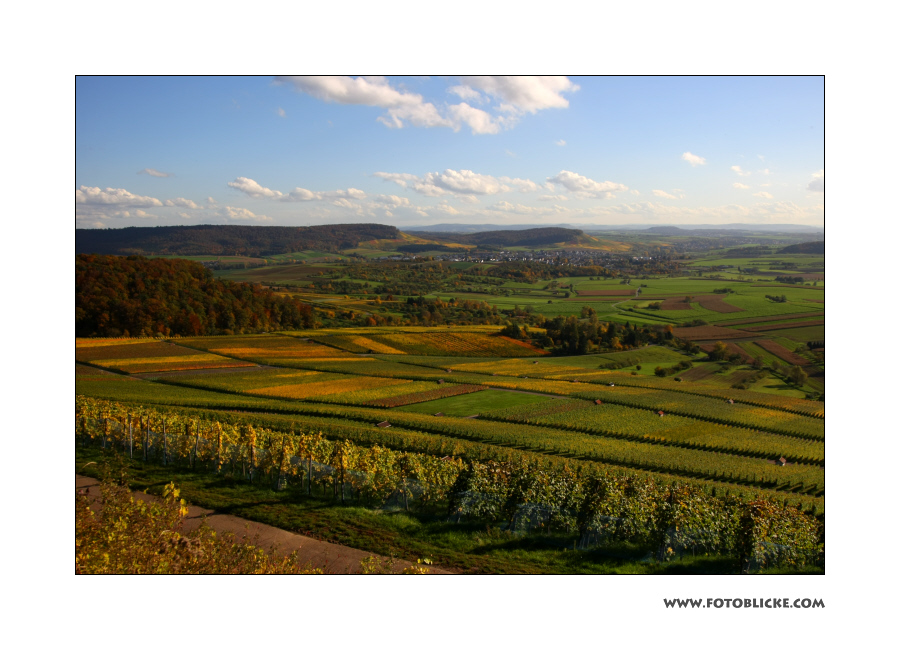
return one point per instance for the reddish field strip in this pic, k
(782, 353)
(699, 372)
(608, 292)
(674, 304)
(784, 326)
(717, 303)
(708, 333)
(747, 321)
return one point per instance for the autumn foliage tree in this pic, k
(136, 296)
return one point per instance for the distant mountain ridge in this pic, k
(228, 240)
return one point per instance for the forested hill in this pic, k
(228, 240)
(134, 296)
(808, 247)
(531, 237)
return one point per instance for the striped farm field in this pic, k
(243, 382)
(361, 345)
(708, 333)
(711, 410)
(265, 348)
(622, 421)
(450, 390)
(782, 353)
(782, 326)
(700, 372)
(767, 400)
(800, 334)
(463, 344)
(771, 319)
(732, 349)
(327, 387)
(150, 356)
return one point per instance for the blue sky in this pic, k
(588, 151)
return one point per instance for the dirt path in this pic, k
(332, 558)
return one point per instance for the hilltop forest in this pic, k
(228, 240)
(135, 296)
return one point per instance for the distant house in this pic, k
(597, 401)
(660, 413)
(731, 401)
(440, 381)
(438, 414)
(384, 424)
(611, 384)
(781, 461)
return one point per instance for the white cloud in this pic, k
(553, 197)
(741, 186)
(392, 200)
(523, 93)
(466, 93)
(182, 203)
(403, 180)
(210, 200)
(459, 183)
(94, 196)
(253, 189)
(764, 172)
(371, 91)
(560, 143)
(692, 159)
(585, 187)
(817, 184)
(763, 195)
(241, 214)
(518, 95)
(478, 120)
(281, 112)
(740, 172)
(155, 172)
(663, 195)
(465, 181)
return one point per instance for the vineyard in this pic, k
(592, 503)
(467, 344)
(419, 426)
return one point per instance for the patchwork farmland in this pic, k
(514, 406)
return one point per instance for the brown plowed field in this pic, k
(732, 349)
(699, 372)
(708, 333)
(784, 326)
(782, 353)
(674, 304)
(716, 302)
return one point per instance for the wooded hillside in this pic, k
(227, 240)
(136, 296)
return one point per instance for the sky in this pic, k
(416, 151)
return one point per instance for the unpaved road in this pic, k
(331, 558)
